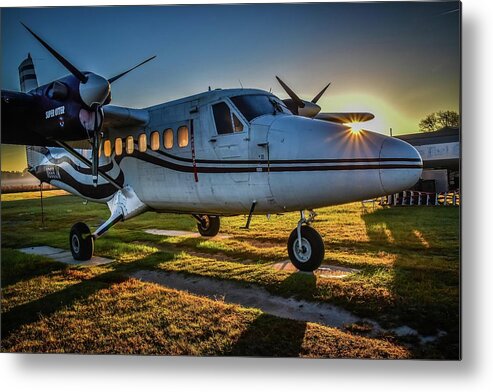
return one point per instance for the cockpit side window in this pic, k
(253, 106)
(226, 121)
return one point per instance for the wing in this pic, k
(17, 120)
(20, 111)
(345, 118)
(122, 117)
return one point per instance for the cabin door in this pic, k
(259, 152)
(230, 140)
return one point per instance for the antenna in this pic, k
(240, 84)
(209, 88)
(390, 132)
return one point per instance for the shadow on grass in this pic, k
(18, 266)
(49, 304)
(304, 284)
(218, 248)
(426, 295)
(269, 336)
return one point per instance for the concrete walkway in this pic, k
(63, 256)
(255, 297)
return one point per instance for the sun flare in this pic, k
(355, 127)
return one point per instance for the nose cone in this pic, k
(95, 90)
(401, 165)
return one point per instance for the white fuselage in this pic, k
(279, 161)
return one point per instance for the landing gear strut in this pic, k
(82, 241)
(208, 225)
(123, 205)
(305, 246)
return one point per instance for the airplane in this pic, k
(219, 153)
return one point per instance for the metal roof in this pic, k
(444, 135)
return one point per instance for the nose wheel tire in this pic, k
(310, 255)
(81, 242)
(208, 225)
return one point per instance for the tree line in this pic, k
(438, 120)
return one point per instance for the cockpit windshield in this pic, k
(253, 106)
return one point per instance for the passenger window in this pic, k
(118, 146)
(155, 141)
(107, 148)
(168, 139)
(183, 136)
(130, 145)
(226, 122)
(142, 142)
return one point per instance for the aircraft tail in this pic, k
(28, 81)
(27, 75)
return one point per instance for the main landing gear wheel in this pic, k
(309, 256)
(81, 242)
(208, 225)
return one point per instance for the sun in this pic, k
(355, 127)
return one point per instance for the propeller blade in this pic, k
(73, 70)
(114, 78)
(319, 95)
(95, 158)
(96, 141)
(291, 93)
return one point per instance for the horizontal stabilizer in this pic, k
(345, 118)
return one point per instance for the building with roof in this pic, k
(440, 151)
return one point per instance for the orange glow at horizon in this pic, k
(386, 115)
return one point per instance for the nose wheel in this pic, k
(81, 242)
(305, 246)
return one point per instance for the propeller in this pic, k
(319, 95)
(312, 110)
(114, 78)
(299, 102)
(299, 106)
(74, 71)
(94, 92)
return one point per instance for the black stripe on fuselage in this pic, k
(102, 191)
(106, 190)
(83, 170)
(286, 161)
(252, 169)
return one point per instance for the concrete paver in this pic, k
(63, 256)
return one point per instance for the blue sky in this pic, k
(399, 60)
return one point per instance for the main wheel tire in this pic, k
(209, 226)
(311, 254)
(81, 242)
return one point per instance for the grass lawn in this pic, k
(408, 258)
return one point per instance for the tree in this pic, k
(438, 120)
